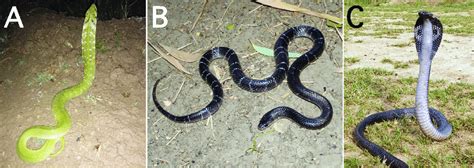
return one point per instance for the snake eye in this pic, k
(262, 126)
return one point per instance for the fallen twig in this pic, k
(338, 33)
(199, 16)
(5, 59)
(179, 91)
(153, 60)
(285, 6)
(170, 59)
(173, 138)
(253, 10)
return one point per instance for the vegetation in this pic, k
(396, 64)
(390, 20)
(40, 79)
(351, 60)
(369, 90)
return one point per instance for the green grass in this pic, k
(386, 61)
(352, 162)
(65, 67)
(369, 90)
(254, 148)
(351, 60)
(40, 79)
(391, 20)
(415, 61)
(400, 45)
(20, 62)
(364, 2)
(100, 46)
(7, 82)
(396, 64)
(117, 39)
(400, 65)
(92, 98)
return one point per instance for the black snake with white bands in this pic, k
(266, 84)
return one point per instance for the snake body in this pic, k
(54, 134)
(253, 85)
(428, 34)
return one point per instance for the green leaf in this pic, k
(230, 26)
(269, 52)
(333, 24)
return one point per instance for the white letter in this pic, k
(161, 16)
(17, 16)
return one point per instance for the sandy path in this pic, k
(454, 60)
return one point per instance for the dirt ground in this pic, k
(453, 62)
(231, 136)
(108, 127)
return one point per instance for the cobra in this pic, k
(253, 85)
(428, 34)
(53, 134)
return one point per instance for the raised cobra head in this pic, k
(428, 35)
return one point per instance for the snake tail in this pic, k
(397, 114)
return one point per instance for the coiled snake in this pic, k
(428, 35)
(53, 134)
(252, 85)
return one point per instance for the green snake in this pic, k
(53, 134)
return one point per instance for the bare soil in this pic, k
(453, 62)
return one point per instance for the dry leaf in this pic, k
(286, 6)
(167, 103)
(181, 55)
(217, 70)
(269, 52)
(173, 61)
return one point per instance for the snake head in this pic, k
(91, 14)
(425, 23)
(267, 120)
(425, 14)
(263, 126)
